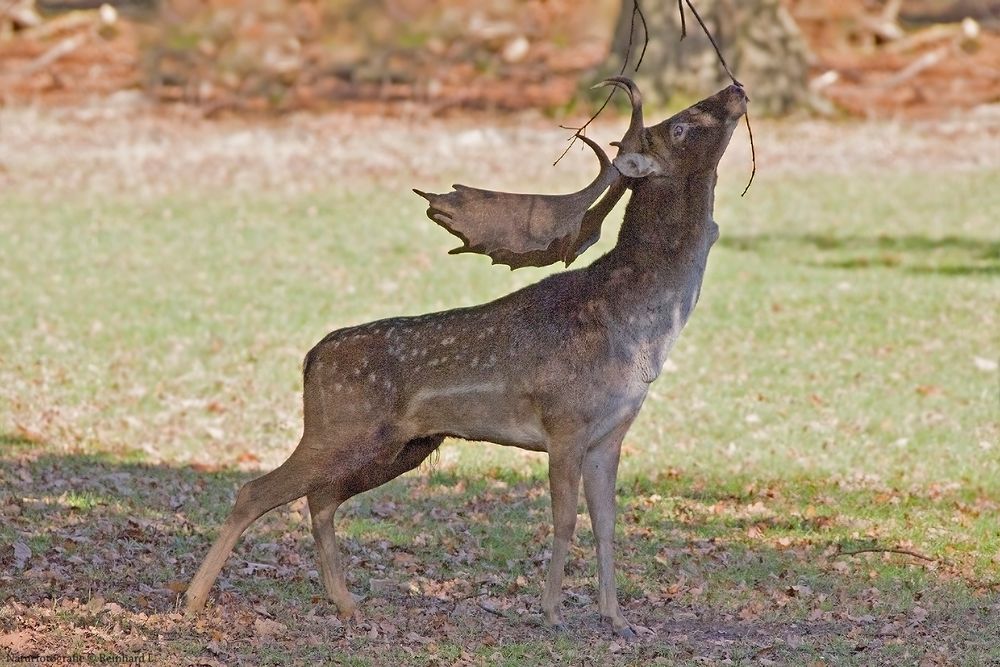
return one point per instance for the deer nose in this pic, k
(738, 90)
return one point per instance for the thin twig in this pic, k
(887, 550)
(725, 66)
(459, 600)
(637, 10)
(495, 612)
(577, 131)
(753, 155)
(463, 598)
(712, 40)
(645, 33)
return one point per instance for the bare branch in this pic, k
(718, 52)
(645, 32)
(710, 39)
(578, 131)
(753, 155)
(637, 11)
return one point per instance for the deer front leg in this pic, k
(600, 469)
(564, 486)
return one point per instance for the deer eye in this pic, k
(678, 131)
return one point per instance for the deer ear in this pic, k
(636, 165)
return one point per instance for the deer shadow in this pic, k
(429, 545)
(949, 255)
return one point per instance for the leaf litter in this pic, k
(109, 576)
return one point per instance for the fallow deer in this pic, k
(561, 366)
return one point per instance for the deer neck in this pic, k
(663, 217)
(652, 277)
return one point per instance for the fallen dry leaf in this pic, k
(21, 554)
(176, 586)
(265, 627)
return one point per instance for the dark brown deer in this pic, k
(561, 366)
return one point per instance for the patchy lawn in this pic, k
(815, 479)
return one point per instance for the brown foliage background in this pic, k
(285, 55)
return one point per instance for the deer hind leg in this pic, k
(323, 504)
(282, 485)
(564, 487)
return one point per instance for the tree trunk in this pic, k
(758, 39)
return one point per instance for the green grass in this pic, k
(826, 397)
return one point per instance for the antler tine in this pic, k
(631, 141)
(625, 83)
(598, 151)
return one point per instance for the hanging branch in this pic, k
(636, 11)
(718, 52)
(753, 155)
(707, 34)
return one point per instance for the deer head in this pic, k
(537, 230)
(689, 143)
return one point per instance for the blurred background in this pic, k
(193, 192)
(859, 57)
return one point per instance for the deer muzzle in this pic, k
(735, 100)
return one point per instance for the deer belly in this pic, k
(489, 412)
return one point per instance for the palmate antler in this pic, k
(521, 230)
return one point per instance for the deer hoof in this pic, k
(194, 606)
(632, 632)
(347, 607)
